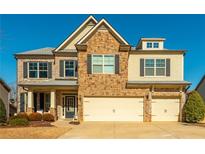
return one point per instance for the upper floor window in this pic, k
(38, 69)
(70, 68)
(149, 45)
(103, 64)
(155, 67)
(152, 44)
(156, 45)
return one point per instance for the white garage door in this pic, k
(165, 109)
(113, 109)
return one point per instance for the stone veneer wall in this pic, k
(102, 42)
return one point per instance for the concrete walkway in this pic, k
(133, 130)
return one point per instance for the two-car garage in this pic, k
(128, 109)
(113, 109)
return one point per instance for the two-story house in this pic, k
(95, 75)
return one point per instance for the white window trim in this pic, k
(28, 71)
(152, 47)
(103, 72)
(64, 69)
(155, 59)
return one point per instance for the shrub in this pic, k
(2, 112)
(35, 116)
(194, 109)
(48, 117)
(18, 122)
(22, 115)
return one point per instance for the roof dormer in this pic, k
(151, 44)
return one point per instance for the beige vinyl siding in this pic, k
(176, 64)
(71, 45)
(161, 45)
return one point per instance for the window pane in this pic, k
(160, 71)
(149, 71)
(43, 66)
(69, 73)
(149, 45)
(32, 66)
(156, 45)
(149, 63)
(109, 69)
(97, 69)
(69, 64)
(97, 59)
(43, 74)
(160, 62)
(33, 74)
(109, 60)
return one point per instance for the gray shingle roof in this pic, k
(5, 85)
(67, 50)
(41, 51)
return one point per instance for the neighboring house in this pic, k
(201, 87)
(12, 109)
(4, 95)
(95, 75)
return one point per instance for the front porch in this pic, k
(59, 100)
(60, 103)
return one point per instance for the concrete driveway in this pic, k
(134, 130)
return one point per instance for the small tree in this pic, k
(194, 109)
(2, 112)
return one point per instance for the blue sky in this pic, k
(26, 32)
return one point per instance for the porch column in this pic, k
(53, 103)
(30, 101)
(76, 109)
(147, 107)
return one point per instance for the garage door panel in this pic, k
(165, 109)
(113, 109)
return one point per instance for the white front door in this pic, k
(165, 109)
(112, 109)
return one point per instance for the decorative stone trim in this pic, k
(81, 47)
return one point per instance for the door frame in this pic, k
(63, 106)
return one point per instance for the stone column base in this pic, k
(53, 111)
(29, 110)
(147, 109)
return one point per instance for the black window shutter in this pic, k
(141, 67)
(76, 68)
(168, 67)
(61, 68)
(117, 67)
(25, 70)
(89, 63)
(22, 103)
(49, 70)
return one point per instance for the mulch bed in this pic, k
(31, 124)
(195, 124)
(40, 124)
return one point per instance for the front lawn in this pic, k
(32, 132)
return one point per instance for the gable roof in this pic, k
(41, 51)
(201, 81)
(107, 25)
(5, 85)
(70, 37)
